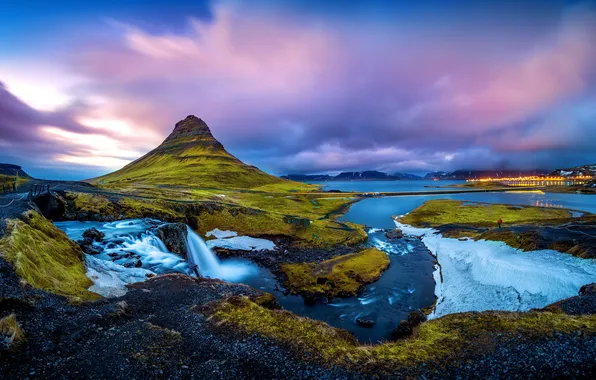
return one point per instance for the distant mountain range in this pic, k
(368, 175)
(585, 170)
(475, 174)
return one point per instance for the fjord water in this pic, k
(386, 186)
(377, 212)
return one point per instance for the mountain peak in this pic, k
(190, 156)
(191, 126)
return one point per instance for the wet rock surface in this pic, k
(395, 234)
(174, 236)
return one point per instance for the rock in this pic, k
(133, 264)
(365, 322)
(51, 205)
(174, 236)
(406, 328)
(416, 317)
(94, 234)
(588, 290)
(88, 247)
(395, 234)
(403, 330)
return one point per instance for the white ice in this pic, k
(487, 275)
(242, 243)
(219, 234)
(110, 279)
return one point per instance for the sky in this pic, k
(305, 86)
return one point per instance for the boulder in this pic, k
(88, 247)
(588, 290)
(174, 236)
(395, 234)
(403, 330)
(416, 317)
(93, 234)
(406, 327)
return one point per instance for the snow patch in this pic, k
(242, 243)
(219, 234)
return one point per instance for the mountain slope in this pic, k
(190, 156)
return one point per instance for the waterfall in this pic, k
(199, 254)
(209, 265)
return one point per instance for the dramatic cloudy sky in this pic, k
(300, 86)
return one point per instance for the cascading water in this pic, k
(200, 255)
(208, 264)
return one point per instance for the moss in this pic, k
(94, 204)
(527, 240)
(133, 208)
(11, 333)
(341, 276)
(435, 213)
(268, 301)
(446, 337)
(45, 258)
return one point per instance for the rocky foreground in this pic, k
(174, 326)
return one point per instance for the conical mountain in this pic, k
(190, 156)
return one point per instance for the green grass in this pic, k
(341, 276)
(45, 258)
(446, 337)
(7, 180)
(440, 212)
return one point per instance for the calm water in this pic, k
(385, 186)
(377, 212)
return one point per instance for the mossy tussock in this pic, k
(11, 335)
(340, 276)
(435, 213)
(45, 258)
(442, 338)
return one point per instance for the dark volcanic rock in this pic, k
(395, 234)
(174, 236)
(51, 205)
(588, 290)
(406, 328)
(88, 247)
(94, 234)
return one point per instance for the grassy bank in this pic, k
(442, 338)
(440, 212)
(45, 258)
(341, 276)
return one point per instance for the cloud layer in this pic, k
(307, 92)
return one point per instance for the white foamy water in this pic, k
(131, 252)
(210, 266)
(487, 275)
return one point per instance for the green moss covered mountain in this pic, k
(190, 156)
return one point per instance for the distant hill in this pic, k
(368, 175)
(12, 170)
(190, 156)
(475, 174)
(585, 170)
